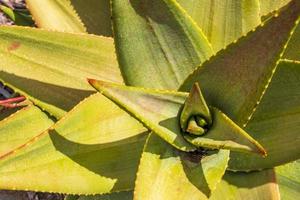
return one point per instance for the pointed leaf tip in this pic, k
(91, 81)
(195, 107)
(158, 110)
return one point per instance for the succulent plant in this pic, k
(198, 100)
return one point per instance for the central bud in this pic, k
(195, 117)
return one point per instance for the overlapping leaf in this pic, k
(22, 126)
(276, 122)
(51, 68)
(68, 143)
(235, 79)
(165, 173)
(157, 43)
(91, 16)
(223, 21)
(251, 186)
(95, 15)
(86, 152)
(160, 112)
(55, 15)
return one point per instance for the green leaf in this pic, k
(55, 15)
(225, 134)
(95, 15)
(51, 68)
(267, 6)
(235, 79)
(194, 105)
(165, 173)
(275, 123)
(73, 15)
(289, 180)
(22, 126)
(251, 186)
(223, 21)
(86, 152)
(157, 43)
(159, 111)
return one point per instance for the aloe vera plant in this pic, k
(197, 100)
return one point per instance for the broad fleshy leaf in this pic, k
(194, 105)
(84, 153)
(157, 43)
(166, 173)
(225, 134)
(251, 186)
(80, 16)
(159, 111)
(235, 79)
(289, 180)
(51, 68)
(55, 15)
(22, 126)
(223, 21)
(276, 122)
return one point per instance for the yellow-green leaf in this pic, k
(95, 15)
(225, 134)
(22, 126)
(275, 123)
(159, 111)
(55, 15)
(223, 21)
(51, 67)
(251, 186)
(289, 180)
(94, 149)
(157, 43)
(235, 79)
(165, 173)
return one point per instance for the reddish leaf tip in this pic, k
(91, 81)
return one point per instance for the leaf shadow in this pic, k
(191, 161)
(240, 179)
(96, 22)
(61, 97)
(157, 11)
(194, 172)
(110, 160)
(172, 124)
